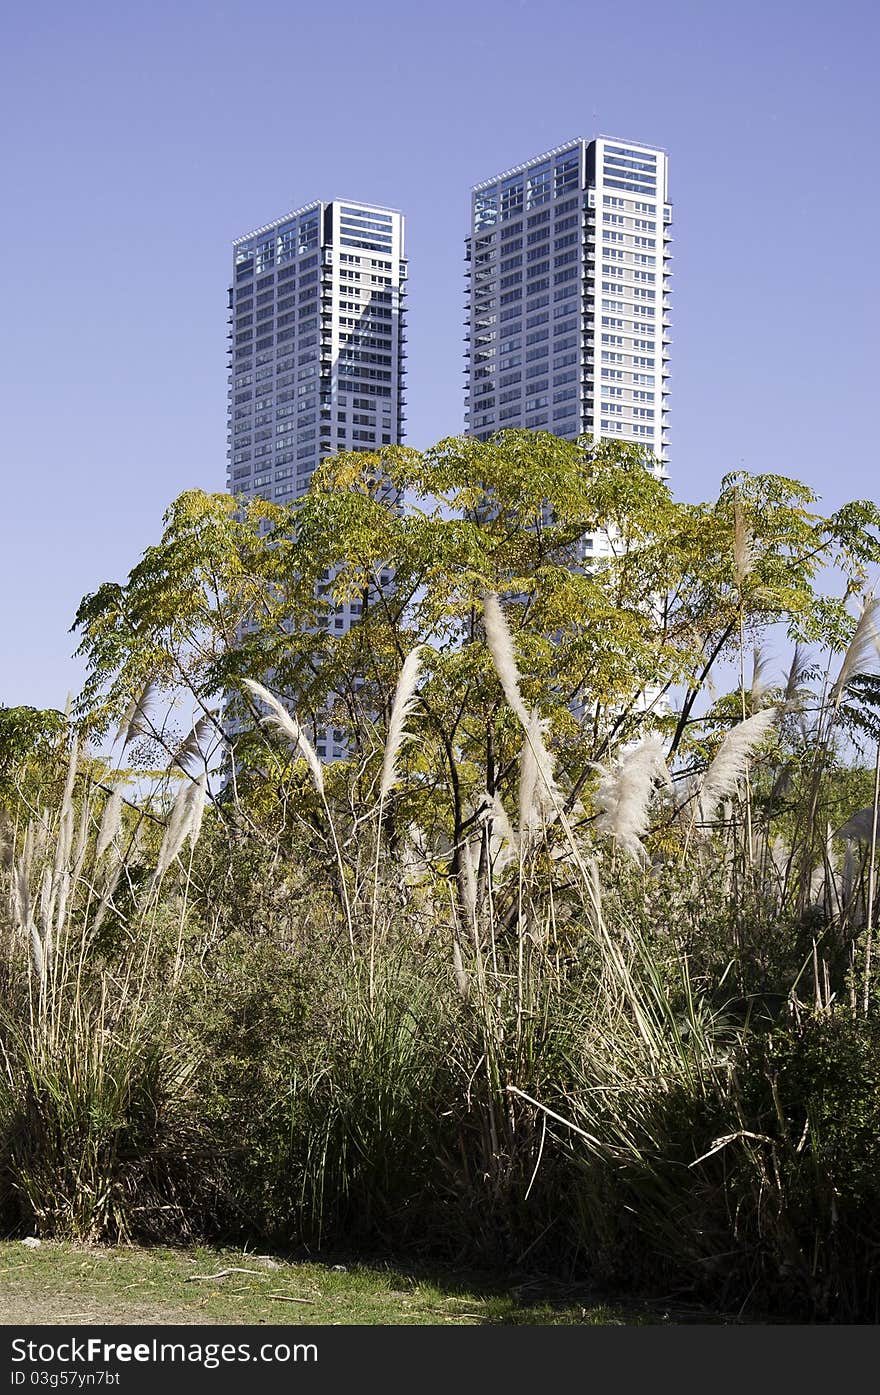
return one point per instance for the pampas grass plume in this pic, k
(743, 553)
(502, 844)
(279, 717)
(38, 958)
(136, 718)
(405, 698)
(175, 832)
(111, 822)
(538, 796)
(858, 827)
(500, 642)
(624, 793)
(196, 811)
(862, 650)
(724, 774)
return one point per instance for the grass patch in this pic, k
(74, 1284)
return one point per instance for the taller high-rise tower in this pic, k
(316, 356)
(568, 304)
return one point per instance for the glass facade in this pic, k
(316, 344)
(317, 357)
(568, 298)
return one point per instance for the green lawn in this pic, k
(66, 1283)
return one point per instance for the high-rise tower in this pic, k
(316, 359)
(316, 343)
(568, 304)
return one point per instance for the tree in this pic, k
(32, 745)
(238, 590)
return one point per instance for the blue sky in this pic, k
(140, 139)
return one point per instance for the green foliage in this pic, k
(31, 743)
(95, 1137)
(609, 1027)
(239, 589)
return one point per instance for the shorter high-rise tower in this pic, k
(316, 360)
(316, 351)
(568, 301)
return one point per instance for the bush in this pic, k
(98, 1131)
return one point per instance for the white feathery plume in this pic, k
(458, 969)
(405, 698)
(126, 720)
(780, 857)
(743, 552)
(469, 867)
(538, 796)
(418, 840)
(82, 838)
(136, 719)
(175, 832)
(795, 673)
(725, 772)
(279, 717)
(862, 650)
(115, 869)
(502, 843)
(500, 642)
(624, 793)
(547, 793)
(70, 875)
(38, 958)
(190, 749)
(848, 874)
(22, 896)
(758, 685)
(816, 891)
(528, 784)
(780, 853)
(63, 839)
(858, 827)
(7, 840)
(46, 899)
(415, 855)
(197, 795)
(136, 846)
(537, 789)
(111, 822)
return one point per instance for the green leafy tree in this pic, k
(32, 753)
(237, 590)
